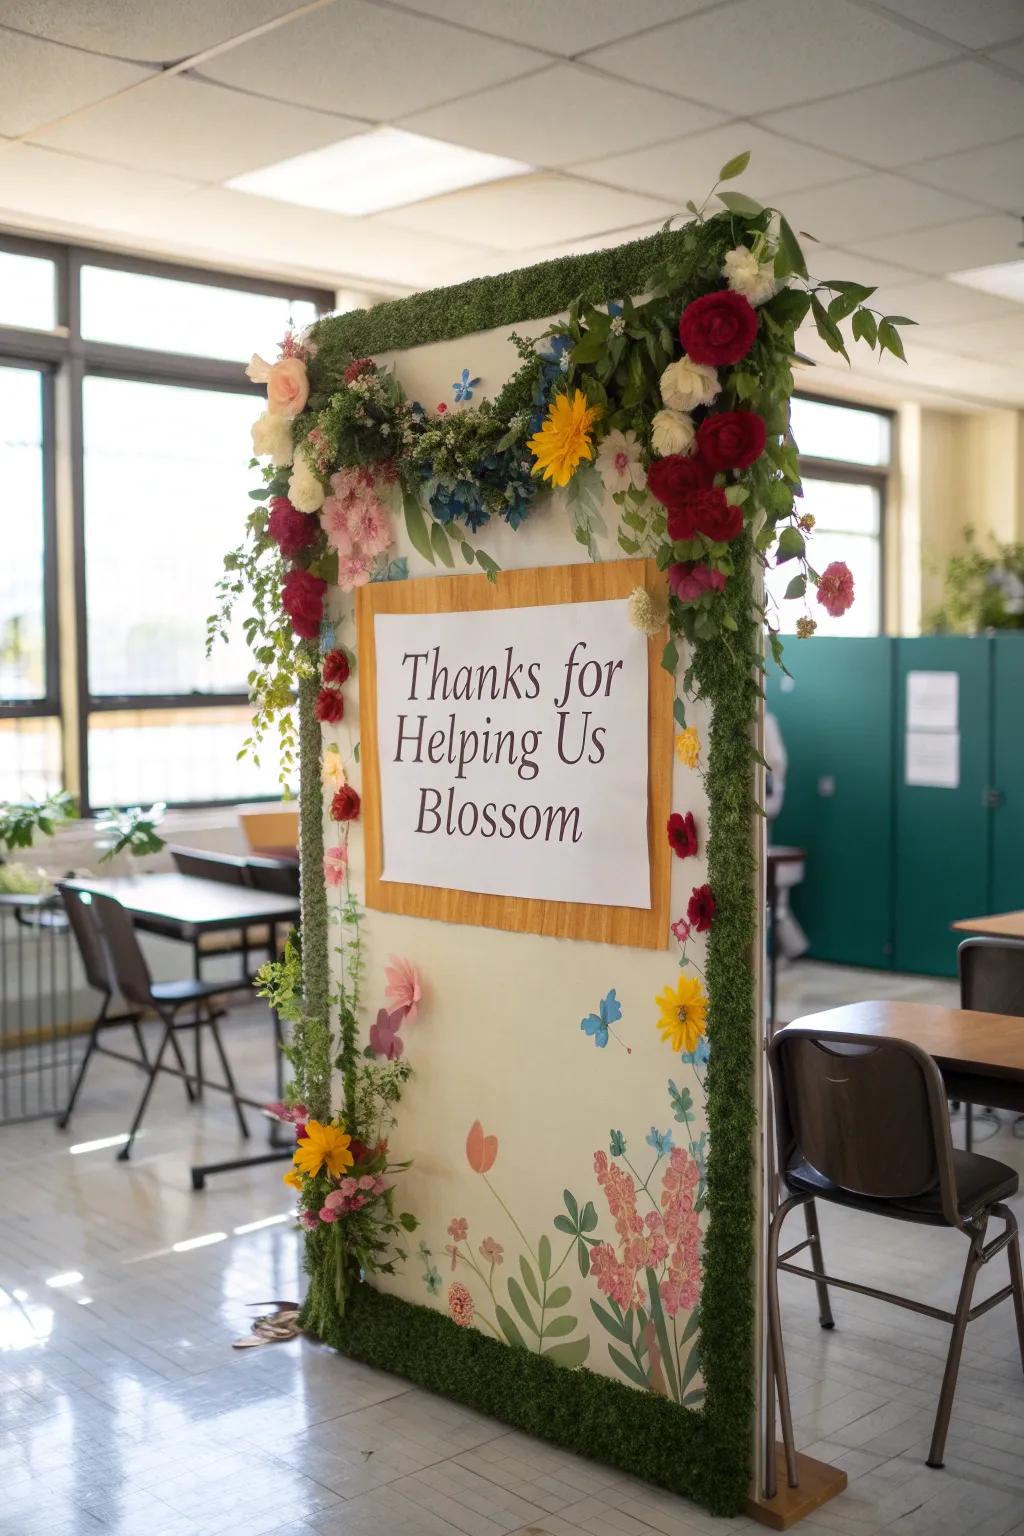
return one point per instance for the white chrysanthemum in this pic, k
(305, 492)
(745, 274)
(672, 432)
(644, 613)
(685, 385)
(272, 436)
(618, 462)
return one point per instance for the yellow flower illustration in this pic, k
(688, 747)
(323, 1146)
(565, 437)
(333, 770)
(684, 1010)
(293, 1177)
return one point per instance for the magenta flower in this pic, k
(681, 930)
(384, 1037)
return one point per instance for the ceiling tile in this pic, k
(364, 59)
(41, 80)
(950, 247)
(568, 27)
(528, 211)
(931, 302)
(1012, 58)
(765, 53)
(828, 261)
(994, 174)
(559, 115)
(1000, 341)
(977, 24)
(871, 205)
(49, 185)
(688, 168)
(938, 112)
(188, 128)
(150, 30)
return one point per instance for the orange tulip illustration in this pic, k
(481, 1150)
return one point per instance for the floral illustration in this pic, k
(683, 1017)
(599, 1025)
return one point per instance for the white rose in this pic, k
(305, 492)
(672, 432)
(745, 274)
(685, 385)
(272, 435)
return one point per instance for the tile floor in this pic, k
(124, 1410)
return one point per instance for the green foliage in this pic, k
(20, 820)
(981, 591)
(133, 829)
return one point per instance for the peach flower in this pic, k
(402, 986)
(287, 383)
(481, 1150)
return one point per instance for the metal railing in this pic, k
(39, 1048)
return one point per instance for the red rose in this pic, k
(345, 805)
(731, 439)
(291, 530)
(689, 580)
(835, 588)
(302, 595)
(714, 517)
(336, 668)
(718, 329)
(361, 1153)
(674, 477)
(682, 834)
(701, 908)
(330, 706)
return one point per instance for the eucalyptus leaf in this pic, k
(416, 527)
(440, 545)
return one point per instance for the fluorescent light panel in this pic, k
(386, 168)
(69, 1277)
(1006, 280)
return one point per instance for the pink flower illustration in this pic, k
(491, 1252)
(335, 865)
(460, 1304)
(681, 930)
(453, 1253)
(458, 1228)
(669, 1236)
(402, 986)
(384, 1037)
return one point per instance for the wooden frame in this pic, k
(637, 927)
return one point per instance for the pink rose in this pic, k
(689, 580)
(287, 387)
(835, 588)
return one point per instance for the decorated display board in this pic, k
(527, 1163)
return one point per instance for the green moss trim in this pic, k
(704, 1454)
(311, 1038)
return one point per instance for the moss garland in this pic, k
(313, 1042)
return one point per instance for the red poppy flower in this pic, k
(345, 805)
(682, 834)
(329, 706)
(719, 328)
(732, 439)
(701, 908)
(336, 669)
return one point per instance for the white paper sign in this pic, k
(513, 752)
(933, 701)
(933, 759)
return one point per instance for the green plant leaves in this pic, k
(734, 167)
(797, 587)
(544, 1256)
(890, 340)
(790, 257)
(865, 327)
(440, 545)
(521, 1305)
(670, 657)
(791, 545)
(739, 202)
(416, 527)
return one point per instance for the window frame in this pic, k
(842, 471)
(65, 359)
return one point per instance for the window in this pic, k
(157, 420)
(845, 458)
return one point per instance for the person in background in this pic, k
(792, 940)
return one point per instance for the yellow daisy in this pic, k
(323, 1146)
(688, 747)
(293, 1177)
(684, 1010)
(565, 437)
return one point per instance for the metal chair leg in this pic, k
(956, 1344)
(778, 1350)
(825, 1317)
(183, 1069)
(126, 1151)
(94, 1040)
(226, 1069)
(199, 1054)
(140, 1042)
(1016, 1281)
(968, 1127)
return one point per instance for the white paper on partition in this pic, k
(933, 759)
(526, 772)
(933, 701)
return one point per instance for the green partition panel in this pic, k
(1007, 829)
(942, 834)
(835, 712)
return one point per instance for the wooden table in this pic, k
(1002, 925)
(185, 907)
(980, 1055)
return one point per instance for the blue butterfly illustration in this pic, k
(609, 1011)
(465, 386)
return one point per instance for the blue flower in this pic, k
(609, 1011)
(700, 1156)
(699, 1057)
(465, 386)
(617, 1144)
(433, 1281)
(661, 1141)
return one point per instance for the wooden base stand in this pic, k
(818, 1483)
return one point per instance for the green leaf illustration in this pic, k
(519, 1301)
(509, 1329)
(571, 1354)
(559, 1297)
(544, 1257)
(416, 527)
(583, 1258)
(661, 1328)
(529, 1278)
(559, 1326)
(588, 1221)
(628, 1367)
(615, 1326)
(571, 1206)
(563, 1224)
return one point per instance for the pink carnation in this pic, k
(689, 580)
(347, 1188)
(370, 527)
(310, 1219)
(335, 865)
(353, 571)
(336, 521)
(835, 588)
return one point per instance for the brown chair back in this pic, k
(228, 868)
(992, 975)
(281, 876)
(127, 960)
(870, 1116)
(89, 938)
